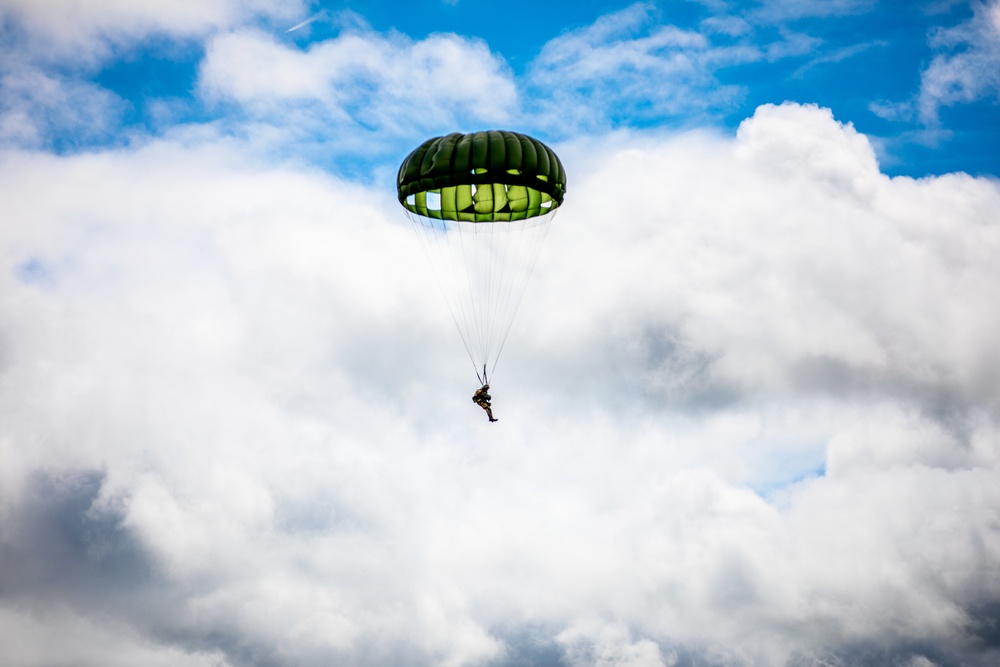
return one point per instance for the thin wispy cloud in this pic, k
(628, 60)
(838, 56)
(36, 106)
(967, 66)
(780, 11)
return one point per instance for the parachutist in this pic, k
(482, 399)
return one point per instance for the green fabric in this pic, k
(482, 177)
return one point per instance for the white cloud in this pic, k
(631, 66)
(893, 111)
(254, 360)
(967, 65)
(627, 64)
(362, 80)
(599, 645)
(35, 107)
(47, 50)
(85, 29)
(838, 56)
(792, 10)
(60, 636)
(727, 25)
(848, 289)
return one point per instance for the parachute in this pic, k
(481, 205)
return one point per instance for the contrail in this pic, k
(307, 21)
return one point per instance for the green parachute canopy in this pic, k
(481, 205)
(493, 176)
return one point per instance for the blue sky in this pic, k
(871, 63)
(749, 408)
(915, 77)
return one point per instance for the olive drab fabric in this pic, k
(493, 176)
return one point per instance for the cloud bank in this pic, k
(749, 411)
(748, 415)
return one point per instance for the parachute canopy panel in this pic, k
(493, 176)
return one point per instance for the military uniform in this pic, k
(482, 399)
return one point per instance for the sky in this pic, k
(749, 409)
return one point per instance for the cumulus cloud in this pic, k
(626, 66)
(49, 50)
(748, 414)
(610, 645)
(967, 65)
(361, 81)
(909, 319)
